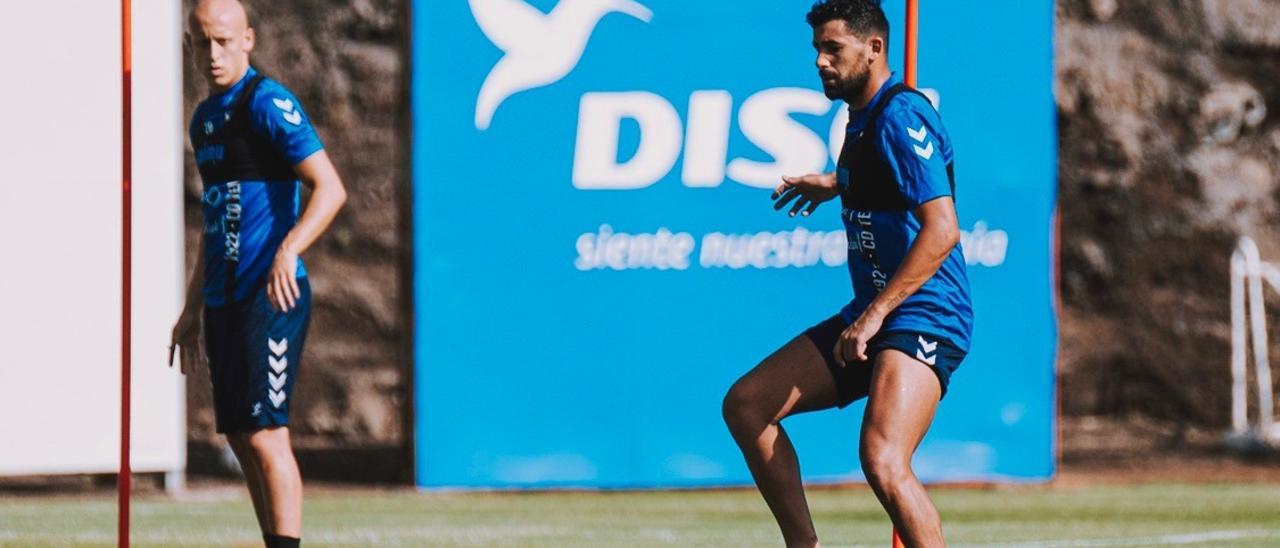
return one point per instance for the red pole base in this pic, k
(897, 540)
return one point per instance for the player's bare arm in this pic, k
(186, 332)
(808, 191)
(939, 234)
(327, 196)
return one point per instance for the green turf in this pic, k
(1218, 515)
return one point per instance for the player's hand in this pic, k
(808, 191)
(186, 336)
(282, 281)
(852, 344)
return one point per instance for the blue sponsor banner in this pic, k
(597, 259)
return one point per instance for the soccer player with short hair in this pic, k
(909, 324)
(253, 144)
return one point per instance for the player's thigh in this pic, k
(903, 398)
(794, 379)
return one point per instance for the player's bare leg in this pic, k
(903, 398)
(253, 476)
(792, 380)
(281, 480)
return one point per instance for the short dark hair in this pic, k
(864, 17)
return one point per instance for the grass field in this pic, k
(1153, 515)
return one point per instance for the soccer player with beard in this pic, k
(909, 324)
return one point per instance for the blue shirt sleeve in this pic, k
(278, 115)
(917, 149)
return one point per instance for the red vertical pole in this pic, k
(126, 267)
(912, 36)
(912, 24)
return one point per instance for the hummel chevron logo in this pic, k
(277, 382)
(926, 345)
(278, 348)
(926, 152)
(929, 348)
(931, 360)
(279, 363)
(917, 134)
(291, 115)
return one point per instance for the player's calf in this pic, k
(239, 443)
(273, 455)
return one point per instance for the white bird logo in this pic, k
(540, 48)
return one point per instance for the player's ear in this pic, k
(875, 48)
(248, 39)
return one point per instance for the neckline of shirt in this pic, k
(875, 99)
(237, 86)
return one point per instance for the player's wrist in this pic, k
(195, 300)
(878, 310)
(288, 250)
(830, 185)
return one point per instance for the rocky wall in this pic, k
(1168, 152)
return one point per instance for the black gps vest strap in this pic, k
(247, 156)
(872, 186)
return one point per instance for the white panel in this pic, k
(159, 393)
(60, 211)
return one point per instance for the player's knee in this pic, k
(728, 408)
(270, 445)
(884, 463)
(737, 406)
(239, 444)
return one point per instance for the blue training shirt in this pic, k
(267, 209)
(917, 150)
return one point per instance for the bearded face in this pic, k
(844, 59)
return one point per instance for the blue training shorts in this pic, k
(254, 353)
(853, 379)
